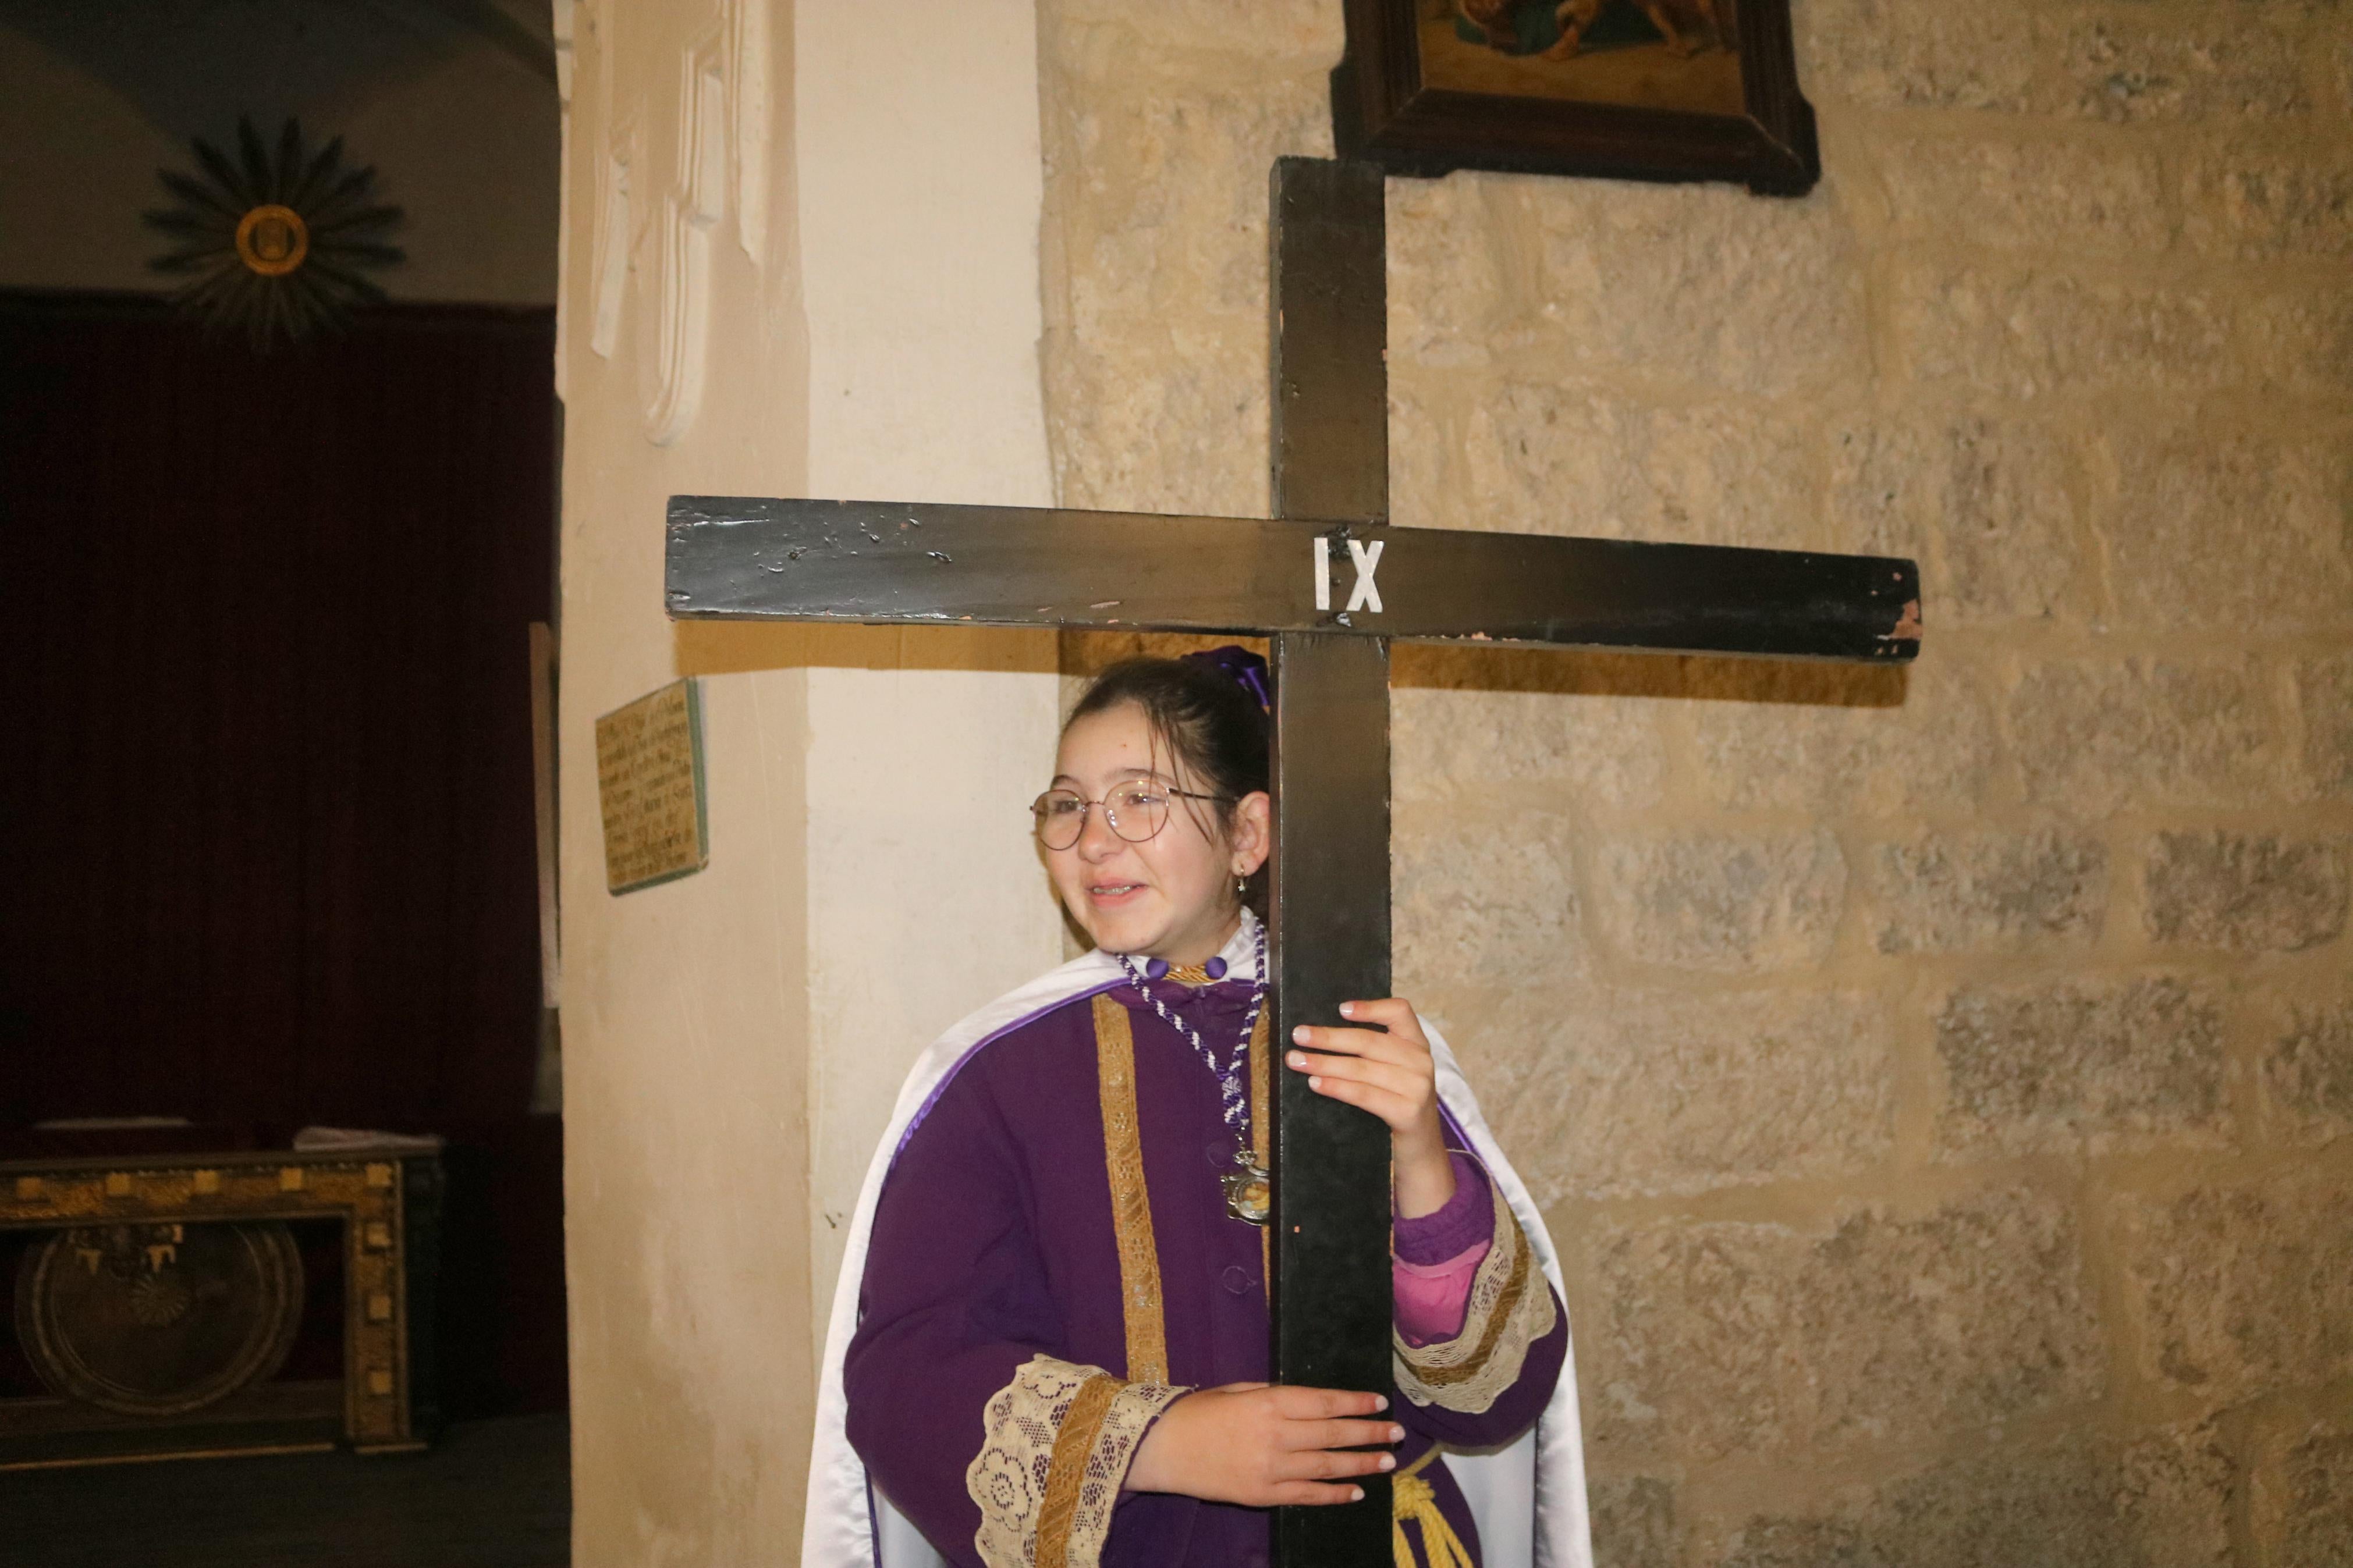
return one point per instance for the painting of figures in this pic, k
(1641, 90)
(1654, 54)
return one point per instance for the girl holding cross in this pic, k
(1049, 1346)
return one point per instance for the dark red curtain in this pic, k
(267, 810)
(266, 622)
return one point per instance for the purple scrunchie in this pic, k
(1241, 666)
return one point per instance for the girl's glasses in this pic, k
(1136, 811)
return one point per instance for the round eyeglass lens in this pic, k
(1061, 815)
(1138, 810)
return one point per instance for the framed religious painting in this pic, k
(1637, 90)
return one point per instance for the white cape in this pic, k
(1528, 1496)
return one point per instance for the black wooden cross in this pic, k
(1332, 585)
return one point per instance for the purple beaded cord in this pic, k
(1231, 1090)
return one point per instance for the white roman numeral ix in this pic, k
(1367, 558)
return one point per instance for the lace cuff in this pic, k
(1055, 1447)
(1510, 1310)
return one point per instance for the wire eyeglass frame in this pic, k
(1111, 812)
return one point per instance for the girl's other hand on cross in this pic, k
(1261, 1444)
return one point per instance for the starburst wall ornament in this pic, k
(274, 247)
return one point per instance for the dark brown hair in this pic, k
(1209, 724)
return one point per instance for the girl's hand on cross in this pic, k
(1390, 1072)
(1259, 1445)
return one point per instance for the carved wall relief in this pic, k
(690, 215)
(755, 112)
(722, 110)
(610, 264)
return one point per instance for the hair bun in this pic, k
(1243, 667)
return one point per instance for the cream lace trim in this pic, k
(1056, 1444)
(1509, 1310)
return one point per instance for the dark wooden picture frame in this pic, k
(1740, 115)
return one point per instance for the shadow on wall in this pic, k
(734, 647)
(1430, 667)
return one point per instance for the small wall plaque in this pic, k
(649, 782)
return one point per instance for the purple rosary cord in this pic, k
(1229, 1077)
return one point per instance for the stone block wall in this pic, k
(1941, 1082)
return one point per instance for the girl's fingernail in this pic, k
(1316, 1083)
(1388, 1461)
(1348, 1010)
(1380, 1402)
(1396, 1434)
(1299, 1033)
(1297, 1058)
(1356, 1494)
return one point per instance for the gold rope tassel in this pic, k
(1412, 1497)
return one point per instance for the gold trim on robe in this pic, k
(1131, 1204)
(1261, 1093)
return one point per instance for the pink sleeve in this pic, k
(1437, 1255)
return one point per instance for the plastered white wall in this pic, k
(684, 1005)
(920, 182)
(734, 1040)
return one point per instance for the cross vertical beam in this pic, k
(1328, 298)
(1330, 1293)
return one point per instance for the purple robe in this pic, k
(993, 1242)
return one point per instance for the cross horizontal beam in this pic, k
(884, 563)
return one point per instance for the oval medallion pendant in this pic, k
(1249, 1191)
